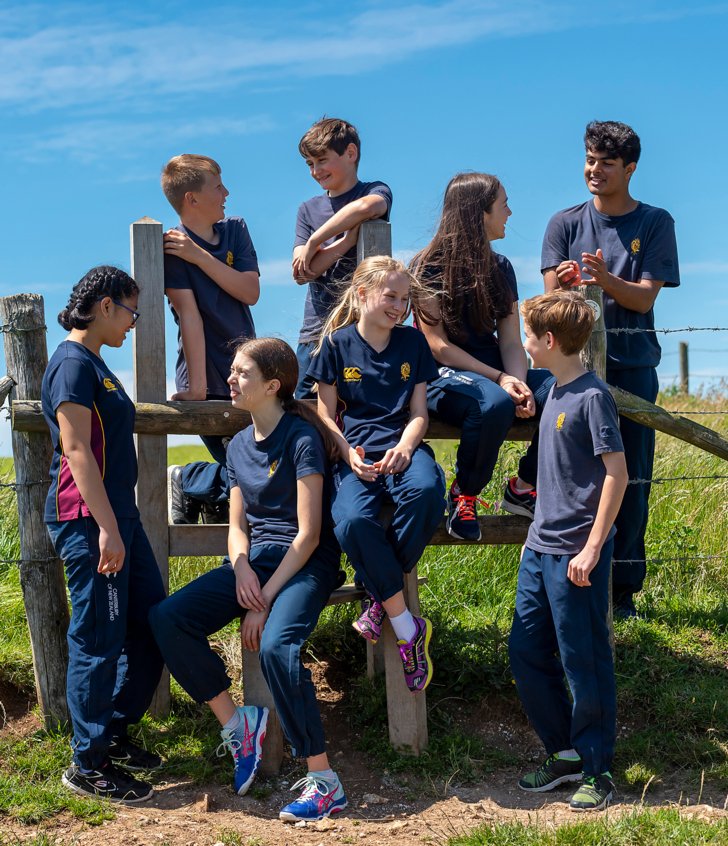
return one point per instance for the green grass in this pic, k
(671, 665)
(660, 828)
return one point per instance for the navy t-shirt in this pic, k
(323, 292)
(224, 319)
(75, 374)
(638, 245)
(375, 388)
(482, 345)
(267, 471)
(579, 424)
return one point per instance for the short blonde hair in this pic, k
(566, 314)
(186, 173)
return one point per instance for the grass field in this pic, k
(672, 664)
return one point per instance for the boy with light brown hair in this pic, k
(560, 626)
(211, 279)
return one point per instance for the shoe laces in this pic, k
(232, 744)
(311, 786)
(465, 506)
(516, 492)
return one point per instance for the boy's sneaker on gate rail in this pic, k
(518, 502)
(462, 514)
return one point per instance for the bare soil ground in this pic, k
(383, 808)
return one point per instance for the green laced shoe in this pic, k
(594, 793)
(553, 772)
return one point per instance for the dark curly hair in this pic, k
(99, 282)
(617, 140)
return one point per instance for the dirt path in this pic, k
(383, 808)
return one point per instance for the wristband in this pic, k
(498, 377)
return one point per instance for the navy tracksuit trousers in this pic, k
(114, 665)
(484, 412)
(381, 555)
(184, 621)
(561, 629)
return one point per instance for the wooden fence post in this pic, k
(147, 268)
(684, 369)
(41, 572)
(375, 239)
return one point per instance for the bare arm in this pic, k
(309, 492)
(74, 422)
(509, 333)
(247, 584)
(353, 455)
(615, 484)
(323, 258)
(193, 342)
(243, 285)
(352, 214)
(397, 459)
(637, 296)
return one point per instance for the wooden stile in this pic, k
(147, 268)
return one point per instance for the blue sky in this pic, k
(95, 100)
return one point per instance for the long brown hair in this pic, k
(460, 254)
(276, 360)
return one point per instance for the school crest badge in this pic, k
(109, 384)
(272, 469)
(229, 259)
(635, 246)
(560, 421)
(405, 371)
(352, 374)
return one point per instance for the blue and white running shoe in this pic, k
(319, 799)
(245, 744)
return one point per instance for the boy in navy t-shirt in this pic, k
(560, 626)
(211, 279)
(629, 250)
(327, 228)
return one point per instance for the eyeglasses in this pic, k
(135, 315)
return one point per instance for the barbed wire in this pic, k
(721, 555)
(692, 350)
(671, 411)
(634, 330)
(660, 479)
(16, 485)
(18, 561)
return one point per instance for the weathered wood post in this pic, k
(407, 713)
(684, 368)
(594, 357)
(41, 572)
(147, 268)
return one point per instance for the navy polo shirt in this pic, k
(75, 374)
(481, 344)
(375, 388)
(638, 245)
(579, 424)
(267, 471)
(224, 319)
(323, 292)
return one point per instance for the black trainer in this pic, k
(516, 502)
(215, 512)
(131, 756)
(108, 782)
(180, 507)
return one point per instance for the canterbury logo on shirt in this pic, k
(229, 258)
(405, 370)
(352, 374)
(560, 421)
(109, 384)
(273, 467)
(635, 246)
